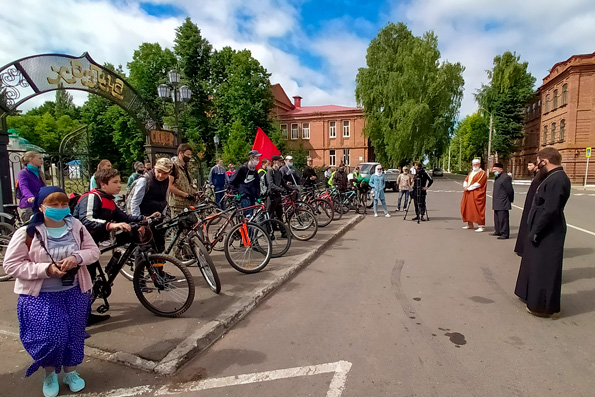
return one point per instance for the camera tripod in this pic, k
(419, 214)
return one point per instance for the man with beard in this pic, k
(539, 282)
(473, 203)
(290, 176)
(523, 228)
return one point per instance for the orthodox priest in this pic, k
(523, 228)
(539, 282)
(473, 204)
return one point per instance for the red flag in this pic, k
(264, 145)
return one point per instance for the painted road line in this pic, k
(336, 387)
(580, 229)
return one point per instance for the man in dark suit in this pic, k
(503, 196)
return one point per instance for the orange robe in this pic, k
(473, 204)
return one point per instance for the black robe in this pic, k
(523, 227)
(540, 276)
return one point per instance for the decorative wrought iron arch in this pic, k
(28, 77)
(31, 76)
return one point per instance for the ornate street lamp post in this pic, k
(216, 140)
(177, 94)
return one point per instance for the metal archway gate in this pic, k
(28, 77)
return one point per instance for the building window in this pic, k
(547, 103)
(553, 139)
(295, 134)
(306, 131)
(544, 135)
(564, 92)
(332, 158)
(346, 129)
(284, 130)
(346, 157)
(562, 129)
(332, 129)
(555, 99)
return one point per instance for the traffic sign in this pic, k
(588, 152)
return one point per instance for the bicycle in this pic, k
(323, 208)
(299, 217)
(247, 245)
(187, 246)
(278, 231)
(10, 220)
(163, 274)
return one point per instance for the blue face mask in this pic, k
(57, 214)
(496, 173)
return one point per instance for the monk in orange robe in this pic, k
(473, 204)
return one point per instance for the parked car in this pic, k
(367, 169)
(437, 172)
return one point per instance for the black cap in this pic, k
(276, 157)
(254, 153)
(498, 165)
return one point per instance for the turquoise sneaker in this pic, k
(74, 381)
(51, 387)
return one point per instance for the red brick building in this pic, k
(331, 134)
(563, 116)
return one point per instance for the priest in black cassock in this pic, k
(539, 282)
(523, 227)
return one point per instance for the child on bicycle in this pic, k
(99, 214)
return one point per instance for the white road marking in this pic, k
(580, 229)
(336, 387)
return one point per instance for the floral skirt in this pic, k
(52, 327)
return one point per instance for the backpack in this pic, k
(128, 198)
(264, 187)
(74, 199)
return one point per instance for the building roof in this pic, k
(289, 108)
(304, 110)
(574, 60)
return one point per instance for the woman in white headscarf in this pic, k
(377, 183)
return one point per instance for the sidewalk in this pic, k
(137, 338)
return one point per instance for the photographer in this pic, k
(421, 182)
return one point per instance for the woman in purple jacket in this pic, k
(29, 181)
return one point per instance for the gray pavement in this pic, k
(391, 308)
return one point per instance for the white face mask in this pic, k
(254, 163)
(290, 163)
(475, 168)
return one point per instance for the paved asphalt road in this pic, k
(397, 309)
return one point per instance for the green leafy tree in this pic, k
(508, 92)
(241, 94)
(148, 68)
(25, 127)
(237, 145)
(194, 53)
(410, 99)
(470, 140)
(64, 105)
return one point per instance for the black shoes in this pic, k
(96, 319)
(502, 237)
(415, 219)
(494, 234)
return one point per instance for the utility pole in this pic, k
(449, 159)
(490, 145)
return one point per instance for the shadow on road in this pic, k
(578, 303)
(577, 251)
(578, 273)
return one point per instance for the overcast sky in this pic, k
(313, 48)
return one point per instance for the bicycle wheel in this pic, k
(6, 229)
(302, 224)
(205, 264)
(128, 269)
(163, 285)
(323, 211)
(248, 248)
(279, 235)
(3, 246)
